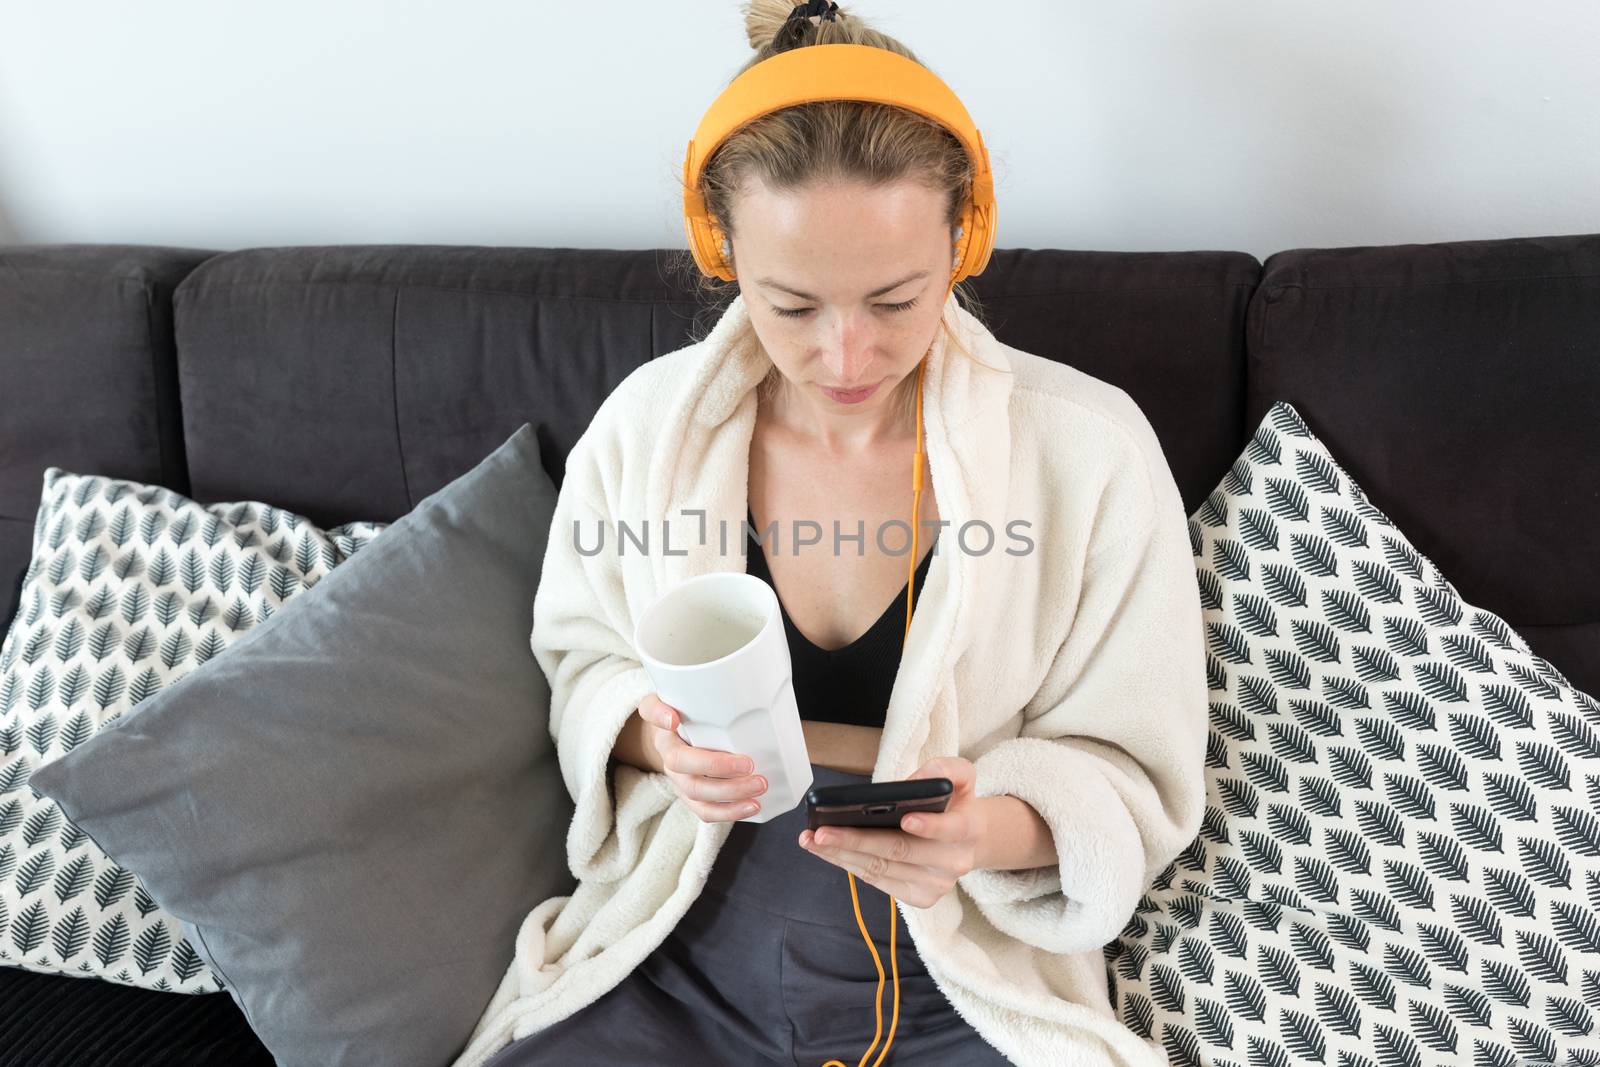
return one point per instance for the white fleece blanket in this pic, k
(1073, 676)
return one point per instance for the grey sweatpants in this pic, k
(767, 967)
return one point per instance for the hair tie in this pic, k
(829, 10)
(801, 13)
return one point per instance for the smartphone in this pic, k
(874, 803)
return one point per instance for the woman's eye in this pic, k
(795, 313)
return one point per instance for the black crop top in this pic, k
(850, 684)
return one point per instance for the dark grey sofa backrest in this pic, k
(1459, 383)
(350, 382)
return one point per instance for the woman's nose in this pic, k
(849, 348)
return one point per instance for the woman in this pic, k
(1056, 676)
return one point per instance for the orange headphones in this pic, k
(876, 75)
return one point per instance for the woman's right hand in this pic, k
(718, 786)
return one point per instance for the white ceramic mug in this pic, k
(716, 650)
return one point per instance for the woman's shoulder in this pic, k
(1094, 441)
(1074, 402)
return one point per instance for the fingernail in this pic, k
(751, 809)
(747, 766)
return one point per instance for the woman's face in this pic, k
(844, 284)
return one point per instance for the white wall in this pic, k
(1253, 125)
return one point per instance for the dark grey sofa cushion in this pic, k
(1459, 381)
(90, 377)
(356, 804)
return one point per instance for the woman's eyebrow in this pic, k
(772, 283)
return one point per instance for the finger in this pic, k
(696, 787)
(711, 762)
(953, 826)
(938, 767)
(891, 877)
(667, 744)
(960, 771)
(658, 712)
(890, 845)
(732, 811)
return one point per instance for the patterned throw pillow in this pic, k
(130, 587)
(1400, 858)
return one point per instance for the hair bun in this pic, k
(780, 23)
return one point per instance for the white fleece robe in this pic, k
(1072, 675)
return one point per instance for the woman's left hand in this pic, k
(919, 862)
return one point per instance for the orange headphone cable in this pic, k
(894, 924)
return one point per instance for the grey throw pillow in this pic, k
(355, 805)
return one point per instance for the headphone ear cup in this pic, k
(704, 239)
(978, 226)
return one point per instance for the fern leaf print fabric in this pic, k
(1399, 864)
(129, 588)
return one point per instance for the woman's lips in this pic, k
(854, 396)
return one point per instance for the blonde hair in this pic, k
(834, 140)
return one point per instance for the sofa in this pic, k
(1458, 382)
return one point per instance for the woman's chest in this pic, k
(836, 538)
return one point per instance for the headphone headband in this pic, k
(837, 72)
